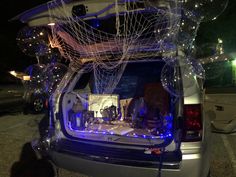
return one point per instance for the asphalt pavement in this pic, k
(11, 98)
(17, 158)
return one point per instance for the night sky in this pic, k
(13, 59)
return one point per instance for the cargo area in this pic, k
(139, 111)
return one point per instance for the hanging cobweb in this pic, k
(110, 33)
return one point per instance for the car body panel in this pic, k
(191, 165)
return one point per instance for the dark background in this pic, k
(10, 55)
(13, 59)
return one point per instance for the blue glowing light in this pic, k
(166, 134)
(95, 23)
(79, 114)
(161, 136)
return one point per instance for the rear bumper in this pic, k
(189, 167)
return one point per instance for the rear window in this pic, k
(135, 78)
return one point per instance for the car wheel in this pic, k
(38, 105)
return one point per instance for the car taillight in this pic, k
(192, 127)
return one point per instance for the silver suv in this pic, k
(138, 130)
(149, 120)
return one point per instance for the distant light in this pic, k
(51, 24)
(20, 75)
(220, 41)
(214, 18)
(13, 73)
(26, 78)
(234, 63)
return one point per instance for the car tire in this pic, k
(38, 104)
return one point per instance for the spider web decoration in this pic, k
(120, 30)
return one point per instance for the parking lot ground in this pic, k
(223, 155)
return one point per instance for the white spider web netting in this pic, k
(113, 32)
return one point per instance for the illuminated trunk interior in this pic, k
(138, 112)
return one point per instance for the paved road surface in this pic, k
(16, 131)
(11, 98)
